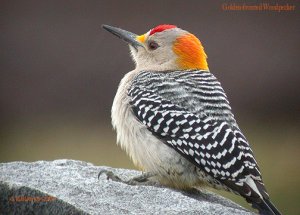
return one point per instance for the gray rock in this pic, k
(72, 187)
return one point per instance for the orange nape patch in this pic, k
(141, 38)
(190, 52)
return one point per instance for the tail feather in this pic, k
(255, 193)
(265, 207)
(262, 201)
(271, 205)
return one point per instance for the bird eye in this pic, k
(153, 45)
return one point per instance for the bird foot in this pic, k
(138, 180)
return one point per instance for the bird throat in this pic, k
(190, 53)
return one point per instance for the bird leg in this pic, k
(137, 180)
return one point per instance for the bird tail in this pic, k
(263, 203)
(255, 194)
(265, 207)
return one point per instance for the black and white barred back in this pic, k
(189, 111)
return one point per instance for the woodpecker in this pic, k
(174, 120)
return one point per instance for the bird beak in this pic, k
(127, 36)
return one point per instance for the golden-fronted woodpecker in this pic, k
(174, 120)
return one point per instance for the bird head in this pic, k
(165, 47)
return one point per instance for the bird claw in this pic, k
(110, 175)
(138, 180)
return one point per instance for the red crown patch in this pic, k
(161, 28)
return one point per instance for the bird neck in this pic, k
(190, 53)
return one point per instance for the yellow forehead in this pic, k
(141, 38)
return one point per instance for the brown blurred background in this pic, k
(60, 71)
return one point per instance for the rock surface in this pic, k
(72, 187)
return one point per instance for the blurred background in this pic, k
(60, 71)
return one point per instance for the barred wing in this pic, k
(214, 146)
